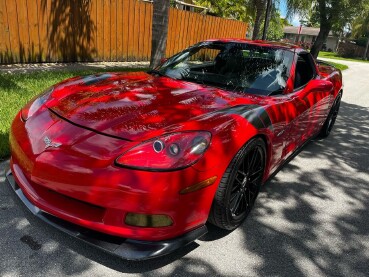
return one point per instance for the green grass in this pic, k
(331, 55)
(17, 88)
(338, 65)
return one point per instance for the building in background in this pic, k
(307, 37)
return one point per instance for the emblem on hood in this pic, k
(50, 143)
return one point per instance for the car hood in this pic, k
(131, 105)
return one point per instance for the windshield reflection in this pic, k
(237, 66)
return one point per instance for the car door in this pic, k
(308, 103)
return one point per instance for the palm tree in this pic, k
(159, 31)
(259, 6)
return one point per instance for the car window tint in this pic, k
(238, 66)
(304, 71)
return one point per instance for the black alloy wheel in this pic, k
(239, 186)
(331, 119)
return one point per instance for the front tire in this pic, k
(331, 118)
(239, 186)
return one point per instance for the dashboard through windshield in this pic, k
(236, 66)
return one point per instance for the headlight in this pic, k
(35, 103)
(169, 152)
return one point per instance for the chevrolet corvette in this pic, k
(137, 163)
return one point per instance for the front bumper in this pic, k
(125, 248)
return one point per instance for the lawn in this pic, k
(17, 88)
(331, 55)
(338, 65)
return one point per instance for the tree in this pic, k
(276, 24)
(360, 28)
(259, 6)
(236, 9)
(159, 31)
(332, 14)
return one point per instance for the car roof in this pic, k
(260, 42)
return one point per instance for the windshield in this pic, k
(237, 66)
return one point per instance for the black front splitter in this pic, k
(128, 249)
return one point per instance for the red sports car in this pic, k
(138, 163)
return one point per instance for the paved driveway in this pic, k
(312, 219)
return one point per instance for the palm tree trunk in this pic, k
(268, 14)
(159, 31)
(260, 7)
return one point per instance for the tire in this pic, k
(240, 184)
(331, 118)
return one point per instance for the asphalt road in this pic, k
(311, 219)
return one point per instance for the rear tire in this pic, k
(331, 118)
(239, 186)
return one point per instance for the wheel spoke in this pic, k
(253, 159)
(257, 172)
(236, 187)
(237, 200)
(238, 180)
(241, 172)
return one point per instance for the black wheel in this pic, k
(331, 118)
(239, 186)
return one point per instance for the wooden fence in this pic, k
(97, 30)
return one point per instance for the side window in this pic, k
(305, 70)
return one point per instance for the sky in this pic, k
(295, 21)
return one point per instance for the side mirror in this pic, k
(317, 86)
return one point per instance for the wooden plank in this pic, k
(233, 28)
(206, 27)
(99, 30)
(239, 30)
(212, 27)
(11, 7)
(141, 32)
(146, 32)
(177, 32)
(194, 28)
(22, 15)
(149, 27)
(190, 33)
(125, 29)
(77, 34)
(93, 29)
(119, 30)
(235, 31)
(34, 48)
(172, 31)
(5, 47)
(42, 29)
(113, 30)
(132, 30)
(170, 34)
(185, 30)
(225, 28)
(180, 32)
(136, 37)
(107, 35)
(228, 29)
(219, 26)
(49, 26)
(200, 30)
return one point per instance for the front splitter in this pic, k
(128, 249)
